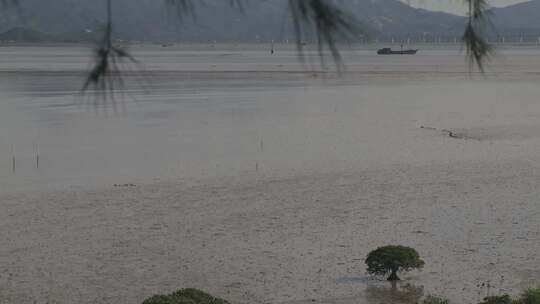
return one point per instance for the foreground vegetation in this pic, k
(185, 296)
(529, 296)
(386, 260)
(195, 296)
(434, 300)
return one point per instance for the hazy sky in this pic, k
(454, 6)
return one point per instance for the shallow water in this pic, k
(319, 170)
(201, 111)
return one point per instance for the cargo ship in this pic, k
(388, 51)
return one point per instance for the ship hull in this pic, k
(390, 52)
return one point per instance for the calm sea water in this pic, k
(206, 111)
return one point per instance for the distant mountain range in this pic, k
(148, 20)
(521, 18)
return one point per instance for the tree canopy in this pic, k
(391, 259)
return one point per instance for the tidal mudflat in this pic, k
(263, 181)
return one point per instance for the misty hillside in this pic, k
(269, 20)
(392, 17)
(519, 18)
(149, 20)
(261, 20)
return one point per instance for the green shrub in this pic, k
(391, 259)
(185, 296)
(434, 300)
(504, 299)
(530, 296)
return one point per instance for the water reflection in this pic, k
(201, 121)
(382, 291)
(394, 293)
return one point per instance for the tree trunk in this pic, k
(393, 276)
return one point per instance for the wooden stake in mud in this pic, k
(13, 158)
(36, 155)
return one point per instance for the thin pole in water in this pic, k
(36, 154)
(13, 158)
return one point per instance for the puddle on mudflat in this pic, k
(395, 293)
(373, 292)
